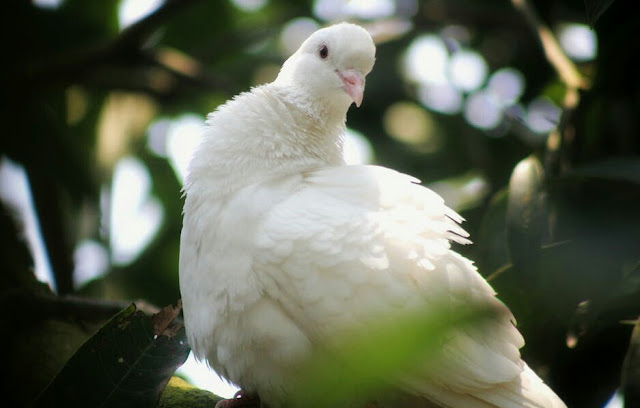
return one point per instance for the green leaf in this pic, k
(490, 240)
(372, 359)
(618, 169)
(127, 363)
(556, 91)
(526, 214)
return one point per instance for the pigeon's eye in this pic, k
(324, 52)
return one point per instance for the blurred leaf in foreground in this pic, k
(136, 354)
(370, 360)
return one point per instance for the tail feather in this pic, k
(527, 391)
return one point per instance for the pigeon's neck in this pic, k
(263, 134)
(320, 110)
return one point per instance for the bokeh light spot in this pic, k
(542, 115)
(123, 117)
(507, 84)
(330, 10)
(426, 59)
(411, 124)
(462, 192)
(47, 4)
(616, 401)
(467, 70)
(370, 9)
(176, 139)
(249, 6)
(135, 216)
(443, 98)
(202, 376)
(77, 104)
(357, 148)
(183, 136)
(294, 33)
(578, 41)
(15, 194)
(91, 261)
(131, 11)
(482, 110)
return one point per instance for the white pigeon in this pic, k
(284, 246)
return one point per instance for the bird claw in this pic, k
(240, 400)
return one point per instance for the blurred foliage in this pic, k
(181, 394)
(372, 359)
(558, 231)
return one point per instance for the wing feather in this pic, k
(355, 243)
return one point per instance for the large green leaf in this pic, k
(526, 214)
(490, 241)
(615, 169)
(127, 363)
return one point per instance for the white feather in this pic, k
(284, 246)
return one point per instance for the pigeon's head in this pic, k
(331, 65)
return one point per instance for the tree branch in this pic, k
(567, 73)
(69, 66)
(566, 70)
(32, 306)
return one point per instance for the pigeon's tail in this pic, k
(527, 391)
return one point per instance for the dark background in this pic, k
(559, 238)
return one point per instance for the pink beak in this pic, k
(353, 84)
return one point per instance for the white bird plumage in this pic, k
(284, 246)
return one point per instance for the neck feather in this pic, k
(269, 132)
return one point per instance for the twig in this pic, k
(568, 74)
(139, 32)
(499, 271)
(31, 306)
(196, 76)
(566, 70)
(69, 66)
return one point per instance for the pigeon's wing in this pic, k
(352, 244)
